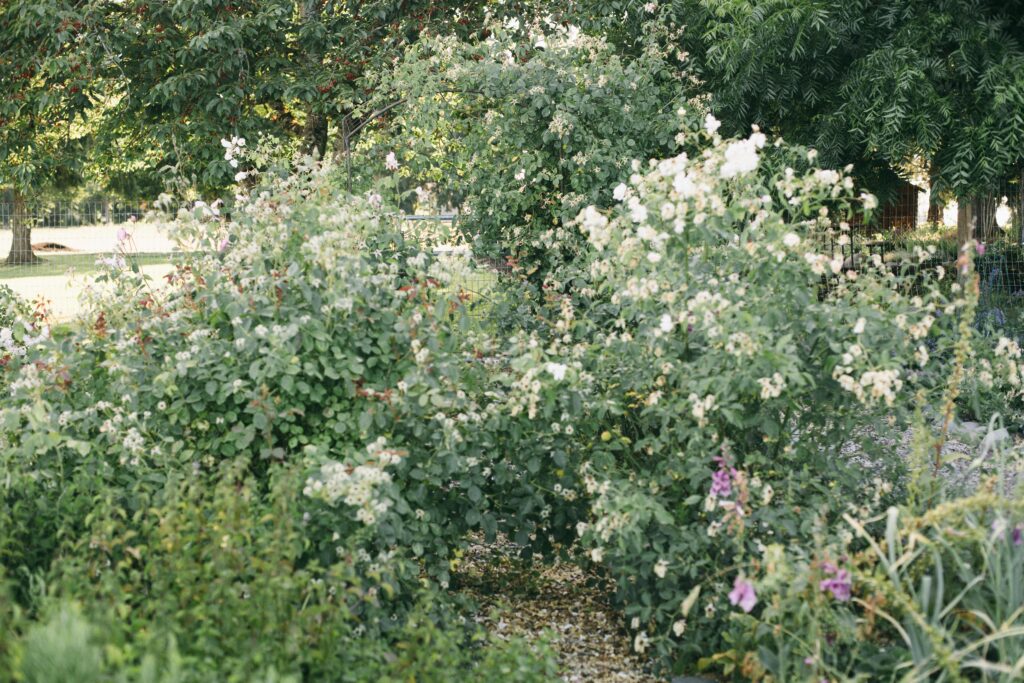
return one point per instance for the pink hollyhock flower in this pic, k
(743, 594)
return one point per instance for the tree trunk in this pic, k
(314, 133)
(1018, 220)
(965, 221)
(985, 211)
(21, 245)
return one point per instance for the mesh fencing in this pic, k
(49, 249)
(913, 219)
(50, 252)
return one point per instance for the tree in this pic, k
(873, 82)
(193, 72)
(47, 84)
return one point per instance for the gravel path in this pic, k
(528, 599)
(98, 239)
(62, 291)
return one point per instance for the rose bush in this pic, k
(730, 381)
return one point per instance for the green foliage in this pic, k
(721, 380)
(62, 648)
(49, 86)
(12, 307)
(270, 450)
(871, 82)
(543, 121)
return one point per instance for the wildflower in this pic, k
(391, 162)
(711, 124)
(619, 193)
(520, 174)
(838, 584)
(791, 240)
(661, 568)
(858, 328)
(772, 387)
(666, 323)
(640, 642)
(721, 482)
(597, 554)
(679, 627)
(743, 594)
(557, 370)
(870, 201)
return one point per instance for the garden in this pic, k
(666, 389)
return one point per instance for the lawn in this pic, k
(58, 264)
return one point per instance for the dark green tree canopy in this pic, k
(875, 82)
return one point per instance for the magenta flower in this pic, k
(839, 583)
(721, 480)
(743, 594)
(721, 484)
(980, 247)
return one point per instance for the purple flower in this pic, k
(1017, 535)
(743, 594)
(721, 480)
(839, 585)
(122, 235)
(225, 243)
(721, 484)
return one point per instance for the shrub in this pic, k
(544, 121)
(268, 449)
(727, 379)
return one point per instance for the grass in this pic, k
(58, 264)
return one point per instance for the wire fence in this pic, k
(914, 219)
(51, 246)
(49, 251)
